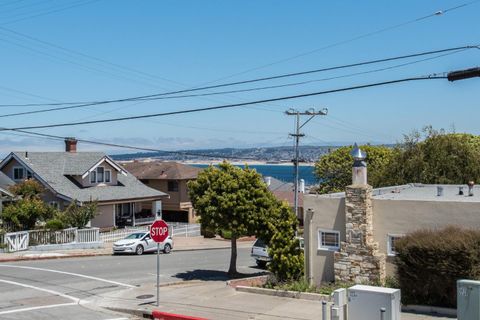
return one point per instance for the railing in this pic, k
(176, 229)
(88, 235)
(16, 241)
(118, 234)
(71, 235)
(42, 237)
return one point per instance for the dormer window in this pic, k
(100, 175)
(20, 173)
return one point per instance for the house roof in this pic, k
(283, 191)
(277, 185)
(55, 169)
(420, 192)
(161, 170)
(5, 183)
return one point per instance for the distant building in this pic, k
(171, 178)
(84, 177)
(350, 236)
(284, 191)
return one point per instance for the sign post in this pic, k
(158, 233)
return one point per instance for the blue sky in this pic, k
(126, 48)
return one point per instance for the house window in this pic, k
(54, 204)
(29, 175)
(108, 175)
(328, 240)
(18, 173)
(391, 239)
(100, 174)
(173, 185)
(93, 177)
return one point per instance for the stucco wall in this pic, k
(105, 217)
(329, 214)
(405, 216)
(173, 203)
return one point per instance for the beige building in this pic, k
(171, 178)
(83, 177)
(351, 236)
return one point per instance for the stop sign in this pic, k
(159, 231)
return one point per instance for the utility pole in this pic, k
(297, 135)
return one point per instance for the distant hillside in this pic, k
(270, 154)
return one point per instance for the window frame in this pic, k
(23, 173)
(109, 175)
(98, 174)
(93, 176)
(175, 186)
(390, 236)
(54, 204)
(321, 246)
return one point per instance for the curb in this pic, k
(429, 310)
(81, 255)
(284, 293)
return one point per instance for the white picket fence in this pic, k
(16, 241)
(177, 229)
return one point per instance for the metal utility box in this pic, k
(365, 302)
(468, 300)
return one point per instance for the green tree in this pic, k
(23, 214)
(76, 216)
(233, 199)
(436, 157)
(334, 170)
(287, 256)
(27, 189)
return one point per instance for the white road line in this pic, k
(69, 273)
(56, 293)
(39, 308)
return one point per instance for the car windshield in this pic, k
(259, 243)
(135, 236)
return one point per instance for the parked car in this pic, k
(140, 242)
(260, 252)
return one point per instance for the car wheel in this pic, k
(167, 248)
(261, 264)
(139, 250)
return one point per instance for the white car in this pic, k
(260, 252)
(140, 242)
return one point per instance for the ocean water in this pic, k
(281, 172)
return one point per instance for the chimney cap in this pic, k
(357, 153)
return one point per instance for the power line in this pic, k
(232, 91)
(157, 95)
(336, 44)
(431, 77)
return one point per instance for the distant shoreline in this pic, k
(241, 163)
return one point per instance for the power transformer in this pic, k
(366, 303)
(468, 300)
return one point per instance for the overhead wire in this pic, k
(186, 111)
(345, 66)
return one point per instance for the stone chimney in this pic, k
(359, 169)
(359, 259)
(70, 145)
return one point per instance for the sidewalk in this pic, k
(180, 244)
(216, 301)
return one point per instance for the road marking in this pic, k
(56, 293)
(70, 274)
(39, 308)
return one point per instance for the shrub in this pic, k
(54, 224)
(25, 213)
(430, 262)
(78, 216)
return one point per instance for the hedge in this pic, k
(429, 263)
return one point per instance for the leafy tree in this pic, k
(287, 256)
(23, 214)
(335, 169)
(448, 158)
(76, 216)
(27, 189)
(233, 199)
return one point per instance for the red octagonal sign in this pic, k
(159, 231)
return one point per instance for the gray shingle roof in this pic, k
(5, 183)
(55, 167)
(162, 170)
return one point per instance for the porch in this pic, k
(136, 213)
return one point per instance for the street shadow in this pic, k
(214, 275)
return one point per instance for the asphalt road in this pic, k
(67, 288)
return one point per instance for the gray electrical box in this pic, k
(468, 300)
(365, 302)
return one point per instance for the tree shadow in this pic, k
(214, 275)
